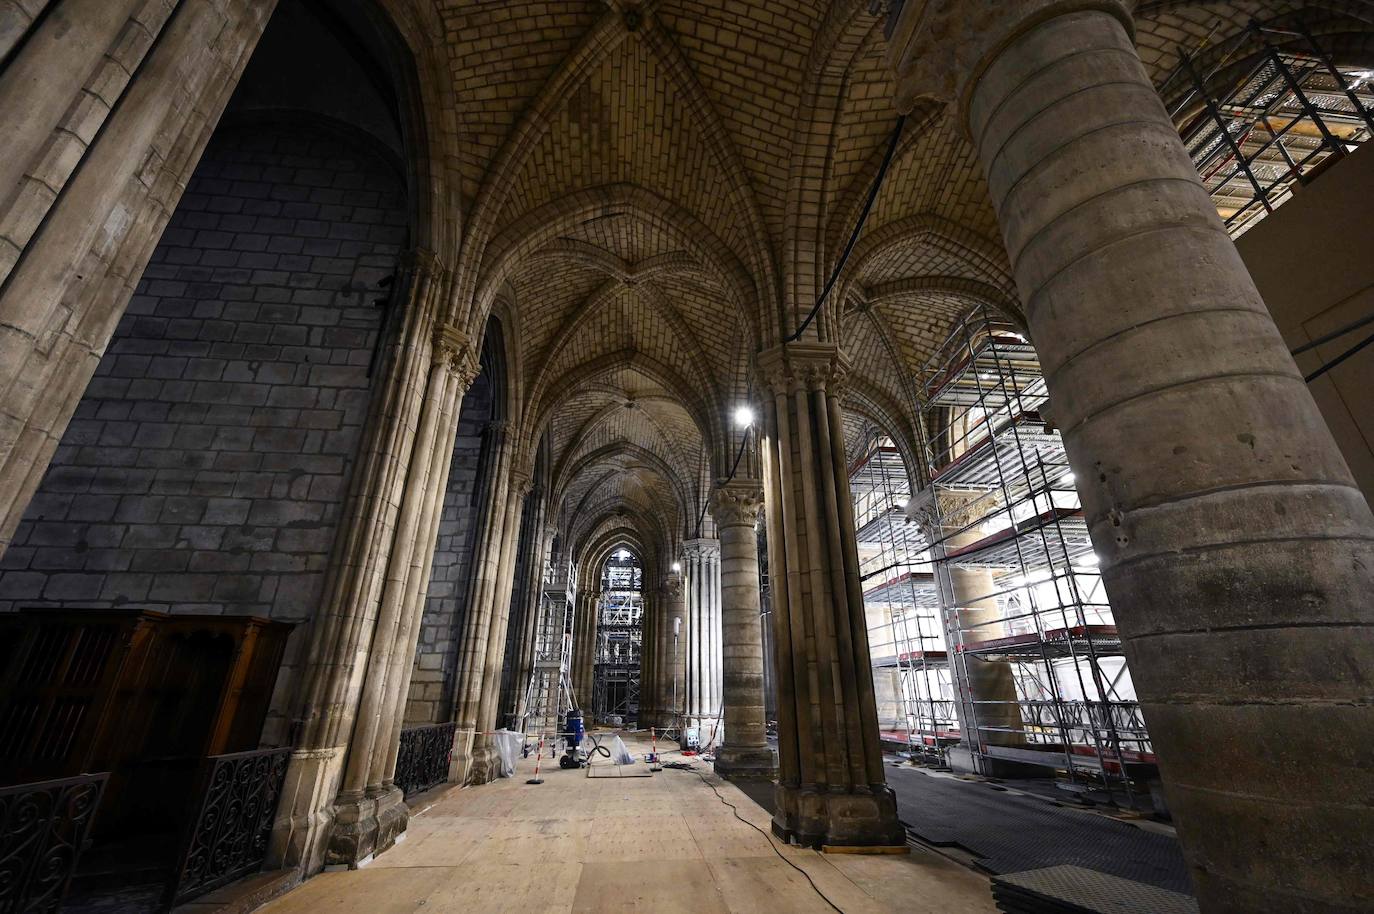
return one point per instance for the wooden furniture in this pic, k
(143, 695)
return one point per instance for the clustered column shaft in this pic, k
(374, 593)
(584, 645)
(701, 588)
(483, 587)
(832, 789)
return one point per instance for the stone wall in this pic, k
(205, 467)
(436, 657)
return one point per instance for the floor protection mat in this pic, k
(1074, 889)
(1010, 833)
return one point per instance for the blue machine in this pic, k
(574, 731)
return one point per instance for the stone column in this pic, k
(485, 760)
(1236, 550)
(702, 660)
(886, 680)
(987, 700)
(342, 629)
(672, 645)
(481, 603)
(832, 789)
(745, 752)
(107, 107)
(648, 659)
(370, 811)
(584, 645)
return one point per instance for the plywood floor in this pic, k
(664, 843)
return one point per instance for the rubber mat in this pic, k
(1009, 833)
(1075, 890)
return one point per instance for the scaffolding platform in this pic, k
(1072, 641)
(908, 589)
(907, 658)
(980, 466)
(1017, 545)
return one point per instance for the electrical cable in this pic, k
(1339, 359)
(684, 766)
(858, 228)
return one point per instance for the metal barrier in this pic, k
(228, 839)
(423, 759)
(43, 830)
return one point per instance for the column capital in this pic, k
(803, 366)
(737, 503)
(939, 48)
(936, 512)
(453, 347)
(522, 475)
(701, 548)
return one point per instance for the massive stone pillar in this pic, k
(702, 657)
(832, 789)
(346, 686)
(370, 810)
(1236, 550)
(745, 752)
(107, 106)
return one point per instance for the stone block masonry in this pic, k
(205, 467)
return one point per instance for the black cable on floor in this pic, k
(683, 766)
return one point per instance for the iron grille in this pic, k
(43, 830)
(424, 756)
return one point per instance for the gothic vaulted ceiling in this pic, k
(653, 192)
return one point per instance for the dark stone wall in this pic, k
(205, 468)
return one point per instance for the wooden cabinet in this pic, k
(144, 695)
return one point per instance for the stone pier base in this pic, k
(738, 763)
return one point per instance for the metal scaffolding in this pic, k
(911, 671)
(620, 618)
(1009, 515)
(549, 695)
(1256, 131)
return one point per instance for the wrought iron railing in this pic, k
(423, 759)
(43, 830)
(228, 839)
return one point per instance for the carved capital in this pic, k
(453, 347)
(937, 512)
(803, 366)
(521, 477)
(699, 549)
(737, 503)
(938, 49)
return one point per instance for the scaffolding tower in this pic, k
(620, 614)
(911, 672)
(1009, 518)
(1259, 131)
(549, 694)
